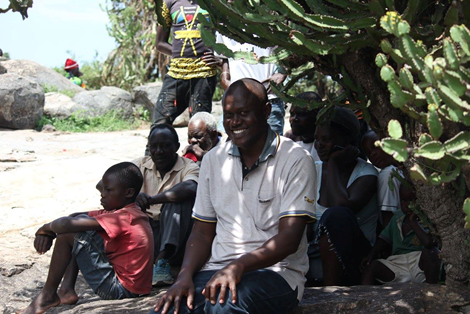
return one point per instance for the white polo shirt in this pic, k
(247, 210)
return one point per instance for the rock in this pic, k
(146, 96)
(182, 120)
(49, 128)
(396, 298)
(60, 105)
(21, 102)
(40, 74)
(2, 69)
(100, 102)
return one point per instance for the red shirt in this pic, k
(128, 243)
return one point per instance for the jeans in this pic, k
(88, 249)
(176, 95)
(276, 118)
(259, 292)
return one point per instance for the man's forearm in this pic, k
(276, 249)
(179, 193)
(198, 249)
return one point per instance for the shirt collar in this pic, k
(179, 164)
(269, 149)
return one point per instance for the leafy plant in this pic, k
(50, 88)
(404, 64)
(20, 6)
(78, 122)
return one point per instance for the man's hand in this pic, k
(182, 287)
(42, 243)
(210, 59)
(227, 277)
(143, 201)
(196, 150)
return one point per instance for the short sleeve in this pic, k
(95, 213)
(113, 223)
(388, 190)
(203, 208)
(299, 196)
(191, 172)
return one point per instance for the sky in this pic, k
(55, 27)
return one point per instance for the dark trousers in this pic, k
(173, 228)
(176, 95)
(259, 292)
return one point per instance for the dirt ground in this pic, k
(44, 176)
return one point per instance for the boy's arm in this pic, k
(161, 41)
(424, 237)
(46, 234)
(69, 225)
(78, 214)
(380, 246)
(179, 193)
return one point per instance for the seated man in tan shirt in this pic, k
(168, 195)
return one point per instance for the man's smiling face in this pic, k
(245, 121)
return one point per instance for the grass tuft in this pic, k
(78, 122)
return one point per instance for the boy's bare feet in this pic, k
(41, 304)
(69, 297)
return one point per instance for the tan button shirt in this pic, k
(247, 210)
(183, 170)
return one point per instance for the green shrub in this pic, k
(51, 88)
(78, 122)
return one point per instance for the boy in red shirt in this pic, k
(111, 247)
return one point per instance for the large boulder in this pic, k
(100, 102)
(21, 102)
(146, 96)
(61, 106)
(39, 74)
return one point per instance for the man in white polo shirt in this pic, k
(247, 249)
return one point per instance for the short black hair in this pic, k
(164, 126)
(128, 174)
(309, 96)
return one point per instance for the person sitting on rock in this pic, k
(202, 136)
(415, 256)
(73, 72)
(109, 246)
(247, 250)
(303, 123)
(168, 194)
(347, 210)
(388, 198)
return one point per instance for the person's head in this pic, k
(303, 120)
(121, 184)
(407, 195)
(202, 130)
(163, 144)
(246, 111)
(340, 131)
(72, 67)
(99, 186)
(375, 154)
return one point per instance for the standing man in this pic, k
(247, 250)
(191, 79)
(233, 70)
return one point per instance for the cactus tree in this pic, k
(405, 64)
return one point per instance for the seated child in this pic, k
(414, 254)
(388, 186)
(111, 247)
